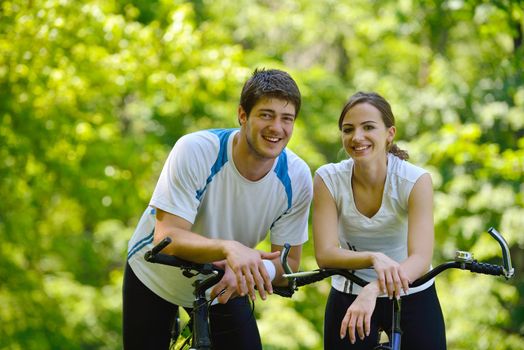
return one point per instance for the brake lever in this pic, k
(509, 271)
(286, 267)
(283, 258)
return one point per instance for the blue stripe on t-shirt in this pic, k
(282, 173)
(140, 244)
(223, 137)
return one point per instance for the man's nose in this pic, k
(276, 123)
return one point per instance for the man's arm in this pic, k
(245, 263)
(184, 243)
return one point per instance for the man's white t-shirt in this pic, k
(200, 183)
(387, 230)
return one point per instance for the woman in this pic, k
(374, 212)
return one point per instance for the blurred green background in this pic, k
(94, 93)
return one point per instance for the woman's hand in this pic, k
(390, 275)
(358, 315)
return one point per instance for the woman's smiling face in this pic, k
(364, 134)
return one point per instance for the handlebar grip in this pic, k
(163, 243)
(487, 269)
(171, 260)
(150, 255)
(286, 292)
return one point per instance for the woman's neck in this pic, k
(370, 174)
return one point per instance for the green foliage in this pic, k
(93, 94)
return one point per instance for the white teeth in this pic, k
(361, 148)
(272, 139)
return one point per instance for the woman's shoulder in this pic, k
(404, 170)
(335, 176)
(343, 166)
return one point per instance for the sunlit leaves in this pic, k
(93, 94)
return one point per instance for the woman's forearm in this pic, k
(337, 257)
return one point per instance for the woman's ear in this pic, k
(391, 134)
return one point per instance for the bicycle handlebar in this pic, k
(463, 260)
(189, 269)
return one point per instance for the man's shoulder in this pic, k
(295, 163)
(204, 140)
(207, 135)
(294, 159)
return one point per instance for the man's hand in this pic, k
(249, 270)
(226, 288)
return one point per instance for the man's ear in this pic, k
(241, 115)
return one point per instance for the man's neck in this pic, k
(248, 164)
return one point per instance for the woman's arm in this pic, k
(325, 233)
(390, 276)
(420, 229)
(357, 321)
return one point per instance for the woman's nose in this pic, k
(357, 134)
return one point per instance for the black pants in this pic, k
(148, 320)
(421, 321)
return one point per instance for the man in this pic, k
(219, 194)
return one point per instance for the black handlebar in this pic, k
(463, 261)
(473, 266)
(189, 269)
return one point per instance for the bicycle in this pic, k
(195, 335)
(463, 260)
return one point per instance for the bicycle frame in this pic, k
(201, 335)
(463, 260)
